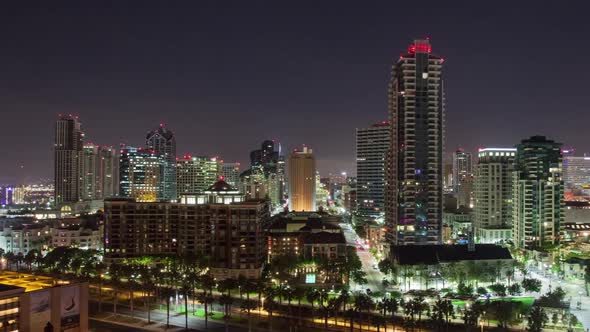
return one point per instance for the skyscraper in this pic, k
(576, 172)
(98, 172)
(462, 168)
(493, 194)
(462, 177)
(196, 174)
(265, 177)
(231, 173)
(139, 173)
(414, 169)
(371, 149)
(302, 180)
(537, 193)
(163, 143)
(68, 155)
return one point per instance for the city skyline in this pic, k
(239, 76)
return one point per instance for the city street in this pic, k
(374, 276)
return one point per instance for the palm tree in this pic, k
(10, 259)
(298, 294)
(100, 268)
(312, 296)
(226, 301)
(242, 284)
(363, 302)
(205, 299)
(31, 257)
(249, 305)
(115, 272)
(270, 305)
(147, 283)
(167, 292)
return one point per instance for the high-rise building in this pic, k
(576, 172)
(98, 172)
(231, 173)
(162, 142)
(68, 159)
(493, 195)
(218, 224)
(462, 168)
(372, 144)
(462, 178)
(89, 171)
(196, 174)
(302, 180)
(266, 175)
(139, 173)
(414, 187)
(537, 193)
(107, 172)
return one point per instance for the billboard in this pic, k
(70, 307)
(40, 310)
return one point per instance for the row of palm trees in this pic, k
(187, 282)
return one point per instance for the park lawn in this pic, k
(527, 302)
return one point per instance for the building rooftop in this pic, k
(221, 186)
(324, 237)
(435, 254)
(29, 282)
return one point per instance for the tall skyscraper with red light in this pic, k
(414, 163)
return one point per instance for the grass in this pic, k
(527, 302)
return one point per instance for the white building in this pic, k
(77, 236)
(493, 195)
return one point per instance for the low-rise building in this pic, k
(289, 233)
(77, 236)
(21, 238)
(32, 303)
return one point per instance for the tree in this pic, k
(498, 289)
(587, 279)
(514, 289)
(299, 294)
(312, 296)
(553, 299)
(249, 305)
(270, 305)
(464, 289)
(442, 312)
(482, 291)
(472, 314)
(226, 301)
(505, 312)
(531, 285)
(537, 319)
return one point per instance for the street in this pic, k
(374, 276)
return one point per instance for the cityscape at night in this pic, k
(294, 166)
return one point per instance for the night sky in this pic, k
(226, 75)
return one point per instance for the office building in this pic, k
(372, 144)
(462, 168)
(231, 173)
(414, 187)
(225, 228)
(139, 174)
(68, 154)
(537, 193)
(493, 195)
(161, 141)
(196, 174)
(302, 180)
(266, 176)
(576, 173)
